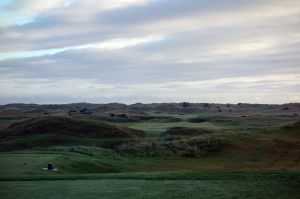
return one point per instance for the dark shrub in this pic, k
(185, 104)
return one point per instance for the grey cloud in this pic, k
(60, 28)
(169, 9)
(130, 66)
(225, 39)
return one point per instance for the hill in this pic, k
(67, 126)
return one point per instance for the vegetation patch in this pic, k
(176, 133)
(189, 147)
(187, 131)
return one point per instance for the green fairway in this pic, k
(179, 185)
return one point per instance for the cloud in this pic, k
(21, 12)
(85, 21)
(198, 50)
(34, 5)
(117, 43)
(217, 90)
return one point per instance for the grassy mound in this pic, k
(295, 126)
(142, 118)
(67, 127)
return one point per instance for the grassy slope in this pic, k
(247, 151)
(48, 131)
(67, 126)
(274, 148)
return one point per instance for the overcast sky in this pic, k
(61, 51)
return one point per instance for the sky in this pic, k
(128, 51)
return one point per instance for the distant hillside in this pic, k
(292, 109)
(68, 127)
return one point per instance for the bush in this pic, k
(190, 147)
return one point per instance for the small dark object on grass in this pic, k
(50, 167)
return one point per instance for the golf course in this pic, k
(115, 152)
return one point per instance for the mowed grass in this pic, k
(14, 164)
(30, 164)
(29, 181)
(152, 185)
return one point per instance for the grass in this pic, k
(24, 164)
(259, 159)
(214, 122)
(68, 160)
(161, 185)
(244, 151)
